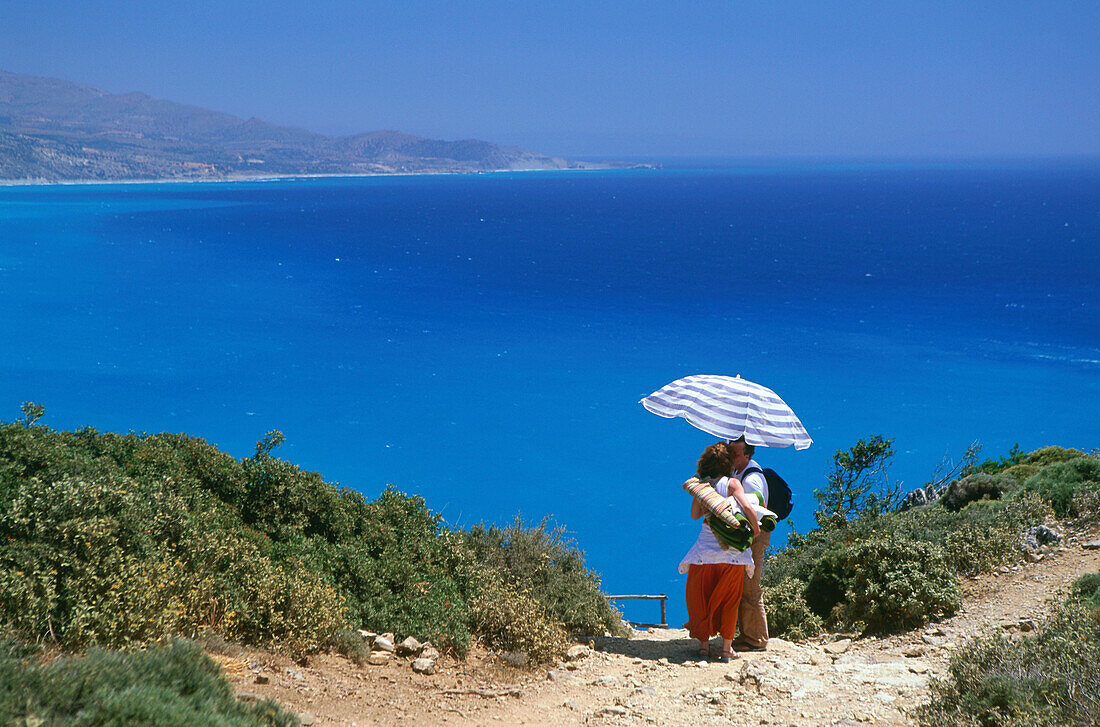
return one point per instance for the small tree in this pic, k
(949, 470)
(32, 412)
(857, 483)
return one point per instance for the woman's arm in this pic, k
(697, 510)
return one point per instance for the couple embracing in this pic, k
(723, 585)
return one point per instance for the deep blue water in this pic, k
(484, 340)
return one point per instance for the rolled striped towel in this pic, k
(712, 502)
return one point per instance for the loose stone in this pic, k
(562, 677)
(577, 652)
(407, 647)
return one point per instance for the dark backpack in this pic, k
(779, 492)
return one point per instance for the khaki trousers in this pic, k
(751, 615)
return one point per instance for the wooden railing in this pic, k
(658, 597)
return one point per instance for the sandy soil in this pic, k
(654, 678)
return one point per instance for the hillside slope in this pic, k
(54, 130)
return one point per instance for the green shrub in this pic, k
(165, 686)
(1037, 459)
(1058, 483)
(350, 644)
(119, 540)
(118, 562)
(1019, 474)
(896, 569)
(972, 488)
(895, 583)
(542, 562)
(1052, 455)
(1050, 679)
(122, 539)
(984, 535)
(1086, 503)
(507, 618)
(871, 577)
(789, 615)
(1086, 589)
(404, 573)
(796, 558)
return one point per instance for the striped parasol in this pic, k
(728, 407)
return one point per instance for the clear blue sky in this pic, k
(637, 78)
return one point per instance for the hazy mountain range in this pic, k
(54, 130)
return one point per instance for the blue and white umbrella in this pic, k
(729, 407)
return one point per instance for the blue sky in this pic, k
(778, 78)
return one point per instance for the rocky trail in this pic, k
(654, 678)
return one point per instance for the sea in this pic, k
(483, 340)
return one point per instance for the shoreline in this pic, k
(264, 178)
(291, 177)
(738, 164)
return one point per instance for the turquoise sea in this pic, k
(483, 340)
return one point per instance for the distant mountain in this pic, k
(53, 130)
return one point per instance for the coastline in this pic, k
(233, 178)
(743, 164)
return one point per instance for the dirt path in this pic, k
(653, 678)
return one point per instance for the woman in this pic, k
(714, 574)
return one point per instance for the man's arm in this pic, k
(738, 493)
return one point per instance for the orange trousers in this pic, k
(713, 597)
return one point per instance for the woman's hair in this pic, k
(716, 461)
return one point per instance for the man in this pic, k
(751, 618)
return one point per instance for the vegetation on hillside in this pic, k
(134, 541)
(1046, 679)
(871, 568)
(122, 540)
